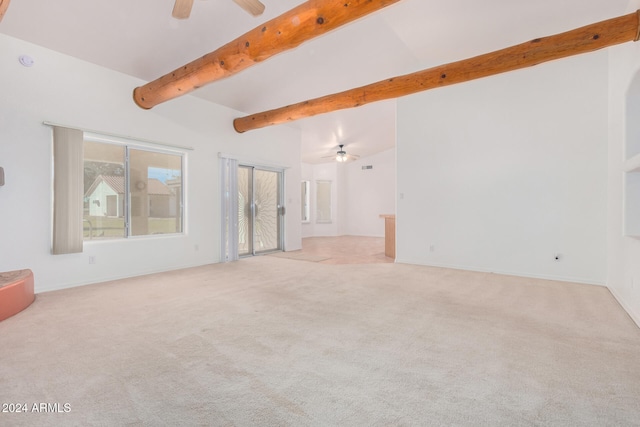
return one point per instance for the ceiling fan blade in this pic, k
(182, 9)
(254, 7)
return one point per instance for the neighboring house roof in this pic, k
(157, 187)
(154, 186)
(113, 181)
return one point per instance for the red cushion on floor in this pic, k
(16, 292)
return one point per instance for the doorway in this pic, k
(252, 202)
(260, 210)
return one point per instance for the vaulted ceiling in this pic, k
(140, 38)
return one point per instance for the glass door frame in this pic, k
(252, 210)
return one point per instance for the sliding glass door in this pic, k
(260, 211)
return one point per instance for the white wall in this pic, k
(370, 192)
(67, 91)
(623, 252)
(502, 173)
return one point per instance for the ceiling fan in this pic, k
(342, 156)
(182, 8)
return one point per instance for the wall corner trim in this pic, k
(633, 315)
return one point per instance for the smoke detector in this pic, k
(26, 60)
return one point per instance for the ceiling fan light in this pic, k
(341, 157)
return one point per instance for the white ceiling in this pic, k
(140, 38)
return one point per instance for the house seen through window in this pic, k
(130, 191)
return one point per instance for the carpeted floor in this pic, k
(271, 341)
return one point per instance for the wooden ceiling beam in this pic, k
(582, 40)
(302, 23)
(4, 4)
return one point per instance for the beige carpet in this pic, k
(277, 342)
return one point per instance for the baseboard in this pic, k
(117, 277)
(504, 272)
(632, 314)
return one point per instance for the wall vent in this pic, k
(367, 167)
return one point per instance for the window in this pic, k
(323, 202)
(156, 192)
(104, 195)
(107, 187)
(130, 191)
(304, 198)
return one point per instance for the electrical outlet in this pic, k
(92, 259)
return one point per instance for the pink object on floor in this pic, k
(16, 292)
